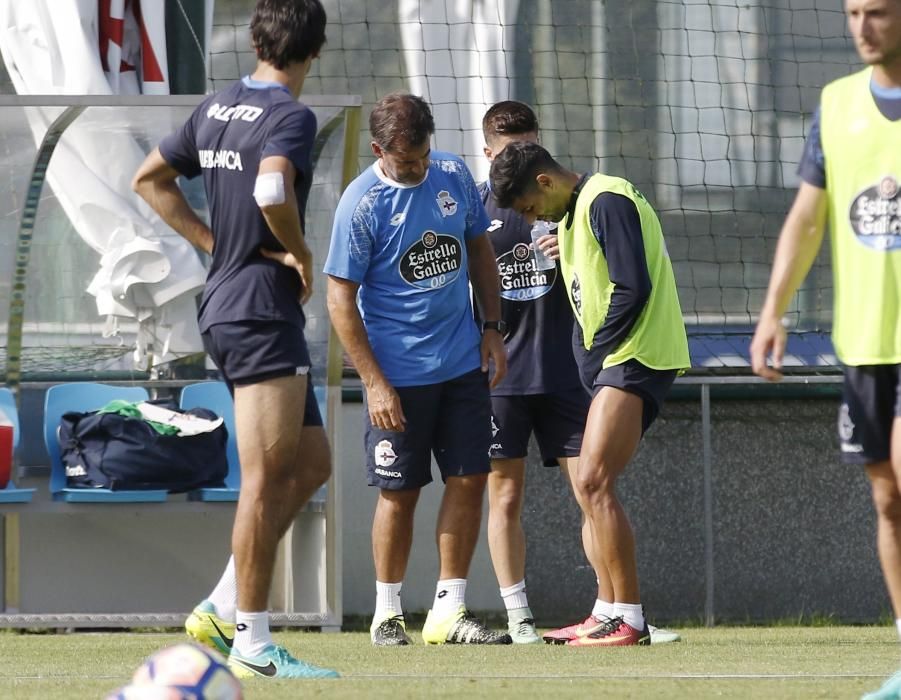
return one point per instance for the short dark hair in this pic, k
(287, 31)
(513, 170)
(508, 118)
(401, 118)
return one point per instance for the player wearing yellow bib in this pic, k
(629, 342)
(850, 174)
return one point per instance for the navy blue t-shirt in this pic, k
(225, 139)
(812, 168)
(534, 306)
(616, 225)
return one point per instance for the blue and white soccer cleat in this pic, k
(890, 690)
(662, 636)
(275, 662)
(521, 626)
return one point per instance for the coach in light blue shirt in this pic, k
(409, 238)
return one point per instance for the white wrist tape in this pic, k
(269, 189)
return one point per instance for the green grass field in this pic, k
(730, 662)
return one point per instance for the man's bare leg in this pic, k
(457, 531)
(507, 544)
(612, 434)
(392, 540)
(885, 480)
(282, 465)
(506, 539)
(459, 521)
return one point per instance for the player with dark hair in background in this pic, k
(252, 142)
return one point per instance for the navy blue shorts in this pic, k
(249, 352)
(652, 385)
(451, 420)
(871, 400)
(557, 419)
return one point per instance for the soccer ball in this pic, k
(182, 672)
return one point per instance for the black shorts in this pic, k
(451, 420)
(558, 420)
(871, 400)
(652, 385)
(249, 352)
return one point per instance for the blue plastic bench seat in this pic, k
(86, 396)
(214, 396)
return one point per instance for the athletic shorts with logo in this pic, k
(652, 385)
(450, 420)
(557, 419)
(871, 400)
(249, 352)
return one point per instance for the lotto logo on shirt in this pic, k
(432, 262)
(225, 113)
(875, 215)
(521, 280)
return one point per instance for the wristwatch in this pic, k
(499, 326)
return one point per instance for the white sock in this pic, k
(632, 614)
(387, 601)
(602, 609)
(251, 632)
(898, 626)
(450, 594)
(225, 594)
(515, 596)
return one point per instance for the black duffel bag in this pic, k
(112, 451)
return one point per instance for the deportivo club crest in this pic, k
(875, 215)
(446, 204)
(384, 453)
(576, 294)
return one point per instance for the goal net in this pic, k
(703, 104)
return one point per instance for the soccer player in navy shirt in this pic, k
(252, 143)
(409, 236)
(541, 393)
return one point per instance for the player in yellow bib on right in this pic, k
(850, 171)
(629, 342)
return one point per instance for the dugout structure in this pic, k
(100, 565)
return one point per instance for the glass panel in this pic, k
(87, 208)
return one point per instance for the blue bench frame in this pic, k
(216, 397)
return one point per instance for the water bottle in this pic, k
(542, 261)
